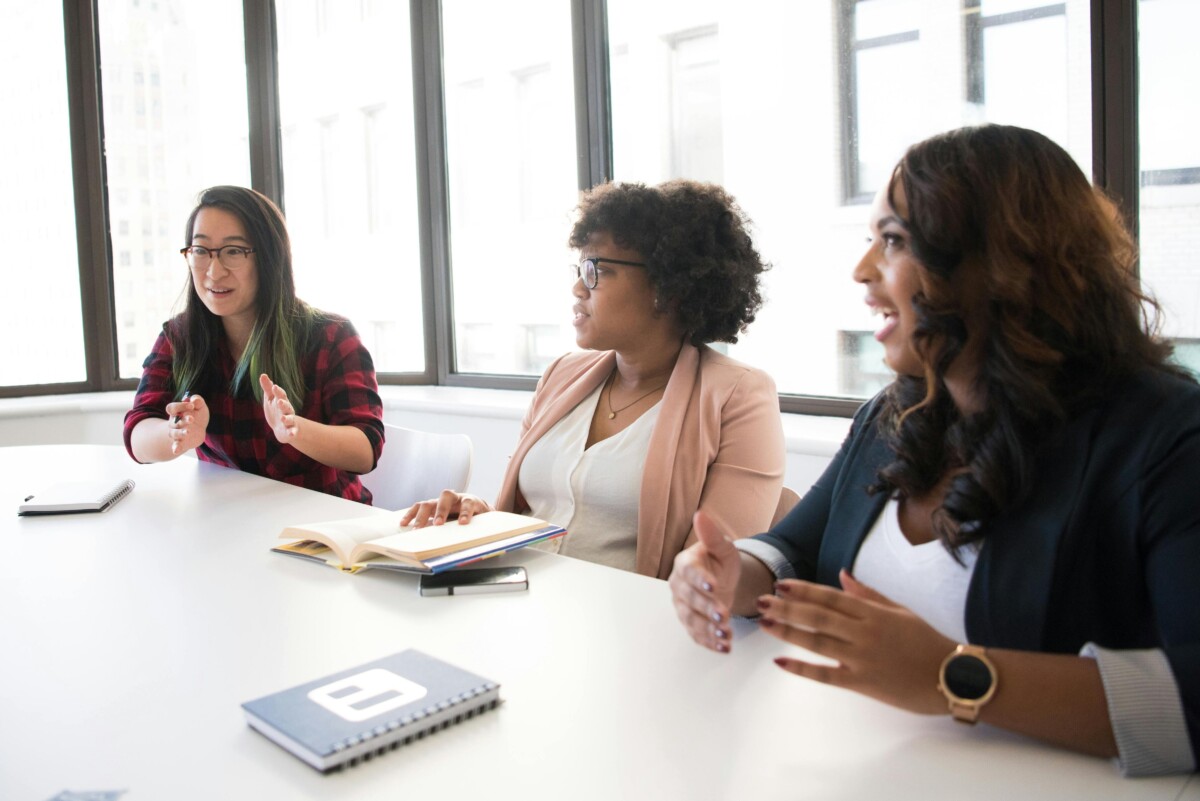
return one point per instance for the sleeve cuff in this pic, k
(769, 555)
(1145, 710)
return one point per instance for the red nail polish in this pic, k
(779, 660)
(766, 622)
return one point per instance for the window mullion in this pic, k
(432, 188)
(262, 94)
(1114, 103)
(95, 268)
(593, 106)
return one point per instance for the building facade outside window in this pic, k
(1169, 208)
(171, 135)
(350, 196)
(799, 109)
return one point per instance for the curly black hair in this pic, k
(699, 257)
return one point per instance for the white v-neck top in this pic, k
(925, 578)
(591, 492)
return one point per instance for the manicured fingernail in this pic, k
(763, 604)
(706, 586)
(766, 622)
(722, 634)
(723, 647)
(781, 588)
(779, 660)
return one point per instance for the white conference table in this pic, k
(128, 640)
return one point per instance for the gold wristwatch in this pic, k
(968, 680)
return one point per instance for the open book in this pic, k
(378, 541)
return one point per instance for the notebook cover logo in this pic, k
(368, 694)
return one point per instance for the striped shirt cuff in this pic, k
(769, 555)
(1145, 710)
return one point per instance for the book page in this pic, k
(342, 536)
(423, 543)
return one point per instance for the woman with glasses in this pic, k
(1009, 533)
(249, 375)
(624, 441)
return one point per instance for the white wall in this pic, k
(492, 418)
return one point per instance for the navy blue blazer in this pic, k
(1106, 548)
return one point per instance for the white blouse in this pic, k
(591, 492)
(925, 578)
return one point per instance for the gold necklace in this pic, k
(613, 412)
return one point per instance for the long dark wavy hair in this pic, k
(1012, 237)
(283, 322)
(695, 241)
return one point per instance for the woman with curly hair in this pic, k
(624, 441)
(249, 375)
(1009, 533)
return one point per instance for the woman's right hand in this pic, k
(703, 582)
(187, 424)
(438, 510)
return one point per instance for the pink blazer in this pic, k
(717, 445)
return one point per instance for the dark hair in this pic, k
(699, 257)
(282, 323)
(1012, 237)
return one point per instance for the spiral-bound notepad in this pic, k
(84, 496)
(370, 709)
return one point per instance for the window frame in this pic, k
(1114, 131)
(848, 93)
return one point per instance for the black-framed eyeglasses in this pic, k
(231, 256)
(586, 269)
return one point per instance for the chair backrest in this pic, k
(787, 499)
(417, 465)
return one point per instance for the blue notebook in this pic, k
(364, 711)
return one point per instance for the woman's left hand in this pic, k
(883, 650)
(281, 417)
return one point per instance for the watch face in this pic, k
(968, 677)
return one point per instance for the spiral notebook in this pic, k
(359, 713)
(83, 496)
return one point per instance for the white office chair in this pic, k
(417, 465)
(787, 499)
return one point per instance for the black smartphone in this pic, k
(474, 580)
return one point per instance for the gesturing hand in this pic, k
(281, 417)
(187, 423)
(703, 582)
(436, 511)
(883, 650)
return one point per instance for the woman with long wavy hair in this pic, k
(249, 375)
(1009, 533)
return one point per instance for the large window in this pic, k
(40, 312)
(173, 78)
(510, 141)
(456, 149)
(803, 127)
(350, 195)
(1169, 216)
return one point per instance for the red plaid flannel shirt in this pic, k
(340, 384)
